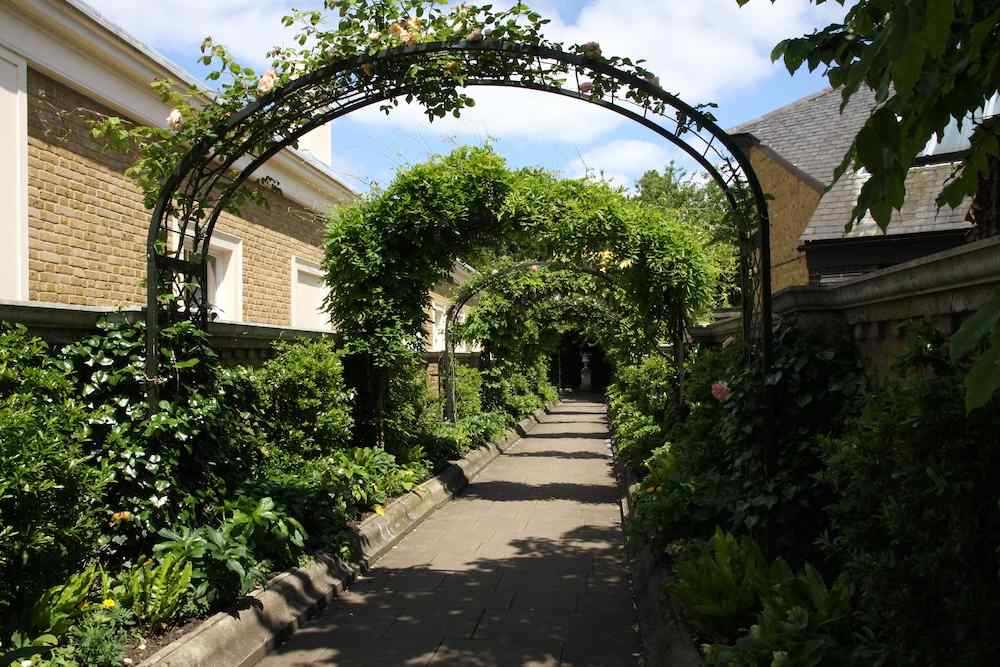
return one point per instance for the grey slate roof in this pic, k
(813, 136)
(919, 212)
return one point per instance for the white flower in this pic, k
(375, 35)
(267, 82)
(475, 36)
(26, 663)
(175, 120)
(586, 87)
(591, 50)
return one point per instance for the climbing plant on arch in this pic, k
(385, 253)
(378, 53)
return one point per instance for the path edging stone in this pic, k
(243, 638)
(666, 639)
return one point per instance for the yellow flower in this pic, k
(108, 604)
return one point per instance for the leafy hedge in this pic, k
(884, 501)
(236, 473)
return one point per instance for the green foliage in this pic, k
(453, 441)
(983, 379)
(641, 407)
(46, 474)
(930, 63)
(179, 463)
(59, 607)
(154, 592)
(702, 206)
(468, 391)
(101, 639)
(411, 410)
(803, 623)
(727, 583)
(306, 407)
(916, 521)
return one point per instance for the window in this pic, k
(309, 291)
(225, 276)
(13, 177)
(437, 328)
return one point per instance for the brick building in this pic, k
(73, 226)
(795, 150)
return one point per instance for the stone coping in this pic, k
(242, 638)
(972, 268)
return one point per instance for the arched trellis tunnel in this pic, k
(213, 174)
(207, 180)
(678, 328)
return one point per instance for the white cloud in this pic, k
(702, 49)
(249, 28)
(622, 161)
(506, 113)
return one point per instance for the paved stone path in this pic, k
(526, 567)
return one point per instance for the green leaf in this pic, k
(983, 380)
(975, 328)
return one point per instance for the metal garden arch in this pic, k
(455, 309)
(205, 181)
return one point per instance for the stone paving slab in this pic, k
(525, 568)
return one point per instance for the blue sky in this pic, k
(706, 50)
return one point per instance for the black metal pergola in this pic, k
(207, 179)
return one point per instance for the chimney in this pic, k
(318, 144)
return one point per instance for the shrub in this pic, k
(803, 623)
(468, 390)
(916, 521)
(51, 505)
(411, 411)
(178, 464)
(453, 441)
(726, 584)
(306, 405)
(101, 638)
(641, 407)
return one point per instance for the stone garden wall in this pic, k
(940, 289)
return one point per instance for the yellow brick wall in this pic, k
(792, 205)
(87, 223)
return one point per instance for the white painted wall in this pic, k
(13, 177)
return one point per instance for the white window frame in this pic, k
(20, 218)
(302, 265)
(223, 243)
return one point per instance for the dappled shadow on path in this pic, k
(556, 454)
(561, 600)
(507, 491)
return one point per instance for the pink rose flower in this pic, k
(586, 87)
(267, 82)
(721, 391)
(475, 36)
